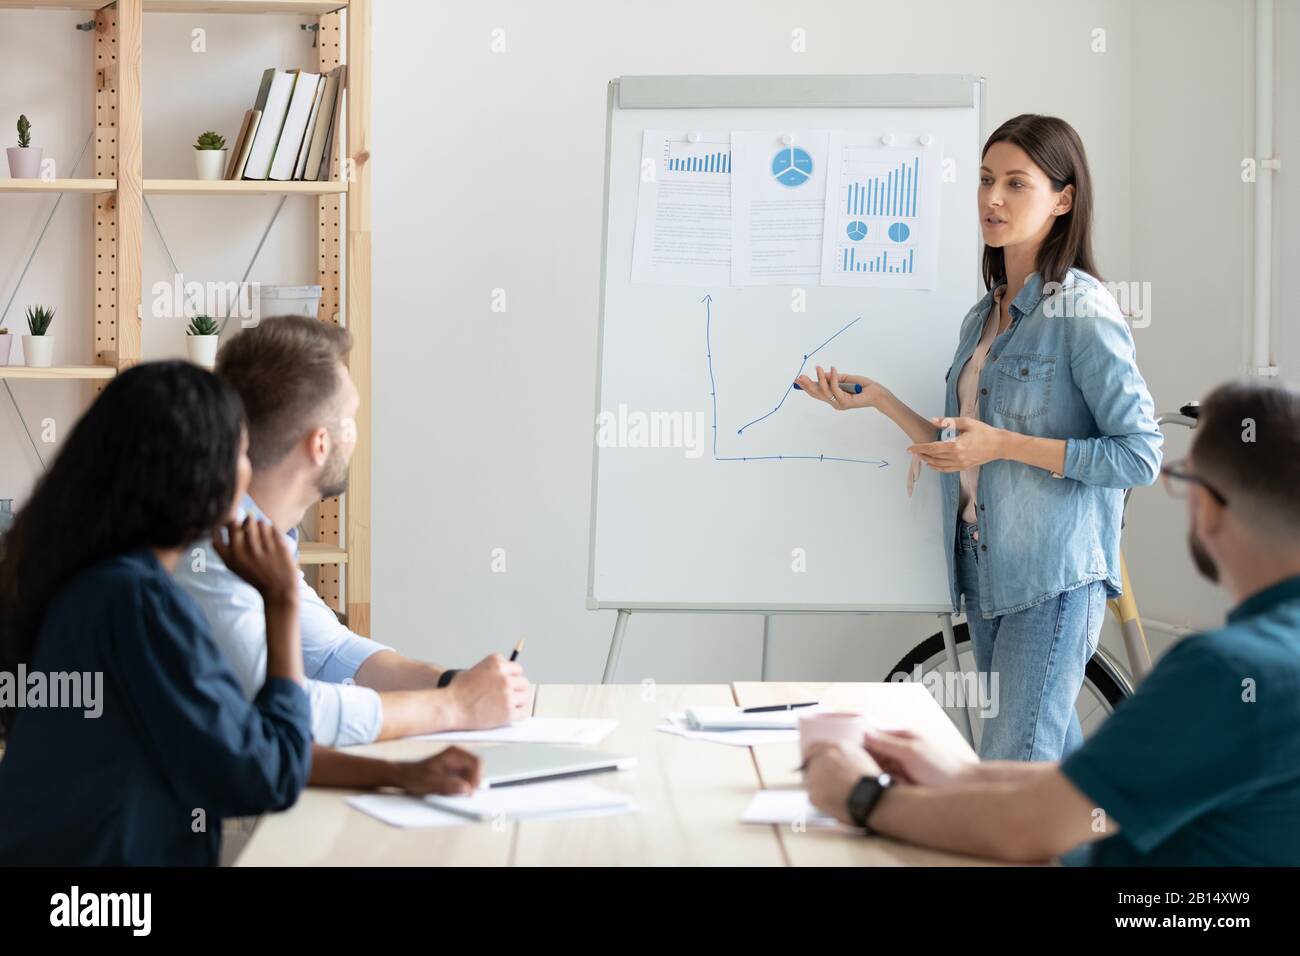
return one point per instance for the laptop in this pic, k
(506, 765)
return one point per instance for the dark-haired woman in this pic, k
(1047, 420)
(144, 774)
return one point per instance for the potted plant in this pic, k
(24, 159)
(6, 343)
(201, 340)
(38, 348)
(210, 155)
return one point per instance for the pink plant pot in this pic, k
(25, 163)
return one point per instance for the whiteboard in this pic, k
(797, 512)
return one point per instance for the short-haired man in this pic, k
(300, 404)
(1202, 765)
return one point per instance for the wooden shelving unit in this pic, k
(239, 187)
(343, 260)
(58, 185)
(62, 373)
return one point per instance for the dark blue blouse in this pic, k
(176, 748)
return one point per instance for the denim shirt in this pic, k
(1065, 368)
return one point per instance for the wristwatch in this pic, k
(446, 676)
(865, 796)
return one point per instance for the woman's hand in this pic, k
(976, 444)
(914, 758)
(452, 771)
(827, 389)
(260, 555)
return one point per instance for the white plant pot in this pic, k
(38, 350)
(202, 349)
(25, 163)
(6, 344)
(210, 163)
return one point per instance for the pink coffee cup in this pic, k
(833, 725)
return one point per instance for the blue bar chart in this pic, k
(687, 157)
(880, 262)
(892, 193)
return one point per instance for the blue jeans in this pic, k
(1038, 656)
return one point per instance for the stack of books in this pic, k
(290, 132)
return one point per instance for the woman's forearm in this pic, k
(916, 427)
(333, 768)
(283, 641)
(1045, 453)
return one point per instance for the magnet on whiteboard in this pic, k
(926, 139)
(693, 137)
(887, 139)
(787, 140)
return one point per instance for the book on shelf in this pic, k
(239, 155)
(291, 132)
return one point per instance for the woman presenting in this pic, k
(1047, 420)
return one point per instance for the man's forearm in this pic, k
(408, 712)
(333, 768)
(998, 819)
(390, 671)
(999, 771)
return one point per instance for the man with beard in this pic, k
(300, 403)
(1202, 765)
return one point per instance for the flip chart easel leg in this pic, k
(615, 646)
(767, 646)
(959, 686)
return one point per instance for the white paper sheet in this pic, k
(400, 810)
(778, 207)
(785, 807)
(531, 801)
(882, 210)
(676, 725)
(534, 730)
(683, 218)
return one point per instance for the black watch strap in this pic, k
(446, 676)
(865, 796)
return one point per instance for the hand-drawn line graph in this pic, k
(713, 394)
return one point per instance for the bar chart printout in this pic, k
(882, 212)
(683, 221)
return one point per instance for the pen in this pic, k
(773, 707)
(852, 389)
(519, 646)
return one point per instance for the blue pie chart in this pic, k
(857, 230)
(792, 167)
(899, 231)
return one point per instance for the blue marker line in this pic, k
(713, 393)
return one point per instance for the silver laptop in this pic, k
(505, 765)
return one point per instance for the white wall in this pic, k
(488, 174)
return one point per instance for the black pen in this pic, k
(773, 707)
(518, 647)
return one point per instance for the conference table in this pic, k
(690, 794)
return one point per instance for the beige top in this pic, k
(968, 403)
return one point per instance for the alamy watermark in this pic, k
(1133, 298)
(71, 689)
(636, 429)
(957, 689)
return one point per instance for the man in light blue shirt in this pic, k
(300, 404)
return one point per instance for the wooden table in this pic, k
(690, 793)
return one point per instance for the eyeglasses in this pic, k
(1176, 478)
